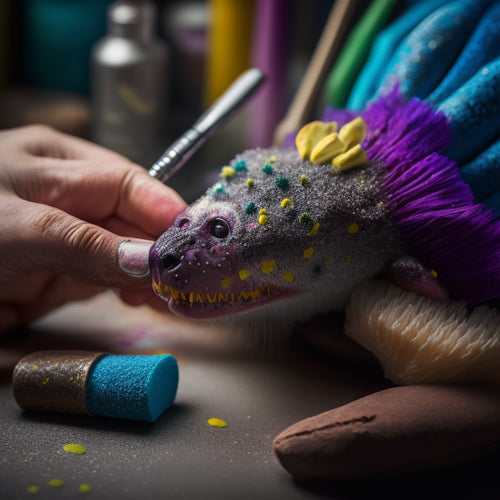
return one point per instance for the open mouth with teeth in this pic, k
(198, 305)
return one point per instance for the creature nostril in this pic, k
(170, 261)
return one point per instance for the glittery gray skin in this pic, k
(334, 233)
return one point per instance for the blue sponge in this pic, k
(132, 387)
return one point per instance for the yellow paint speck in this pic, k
(56, 483)
(262, 219)
(226, 282)
(379, 204)
(227, 171)
(271, 159)
(217, 422)
(35, 367)
(268, 266)
(46, 381)
(288, 277)
(286, 202)
(303, 180)
(308, 252)
(84, 488)
(314, 229)
(328, 261)
(250, 182)
(348, 258)
(32, 489)
(433, 273)
(244, 274)
(77, 449)
(263, 211)
(353, 228)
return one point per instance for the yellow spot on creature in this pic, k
(271, 159)
(348, 258)
(353, 228)
(308, 252)
(34, 367)
(227, 171)
(326, 149)
(244, 274)
(226, 282)
(262, 219)
(286, 202)
(268, 266)
(354, 157)
(217, 422)
(433, 273)
(353, 132)
(303, 179)
(32, 489)
(56, 483)
(250, 183)
(288, 277)
(314, 229)
(77, 449)
(46, 381)
(84, 488)
(309, 135)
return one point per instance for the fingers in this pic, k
(88, 181)
(36, 237)
(147, 203)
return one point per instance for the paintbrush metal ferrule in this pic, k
(214, 117)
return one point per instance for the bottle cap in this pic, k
(132, 19)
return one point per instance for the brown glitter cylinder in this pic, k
(53, 381)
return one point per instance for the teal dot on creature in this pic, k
(251, 208)
(219, 191)
(240, 166)
(268, 169)
(283, 183)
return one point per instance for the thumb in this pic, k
(53, 240)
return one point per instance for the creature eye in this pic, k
(183, 223)
(219, 227)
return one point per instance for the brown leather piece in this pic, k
(53, 381)
(392, 432)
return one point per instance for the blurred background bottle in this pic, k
(130, 83)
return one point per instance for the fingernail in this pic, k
(133, 258)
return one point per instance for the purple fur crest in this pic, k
(433, 209)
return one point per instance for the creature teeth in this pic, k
(213, 298)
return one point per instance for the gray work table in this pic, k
(180, 456)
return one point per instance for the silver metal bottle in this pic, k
(129, 83)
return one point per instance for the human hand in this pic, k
(65, 207)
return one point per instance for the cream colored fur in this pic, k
(418, 340)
